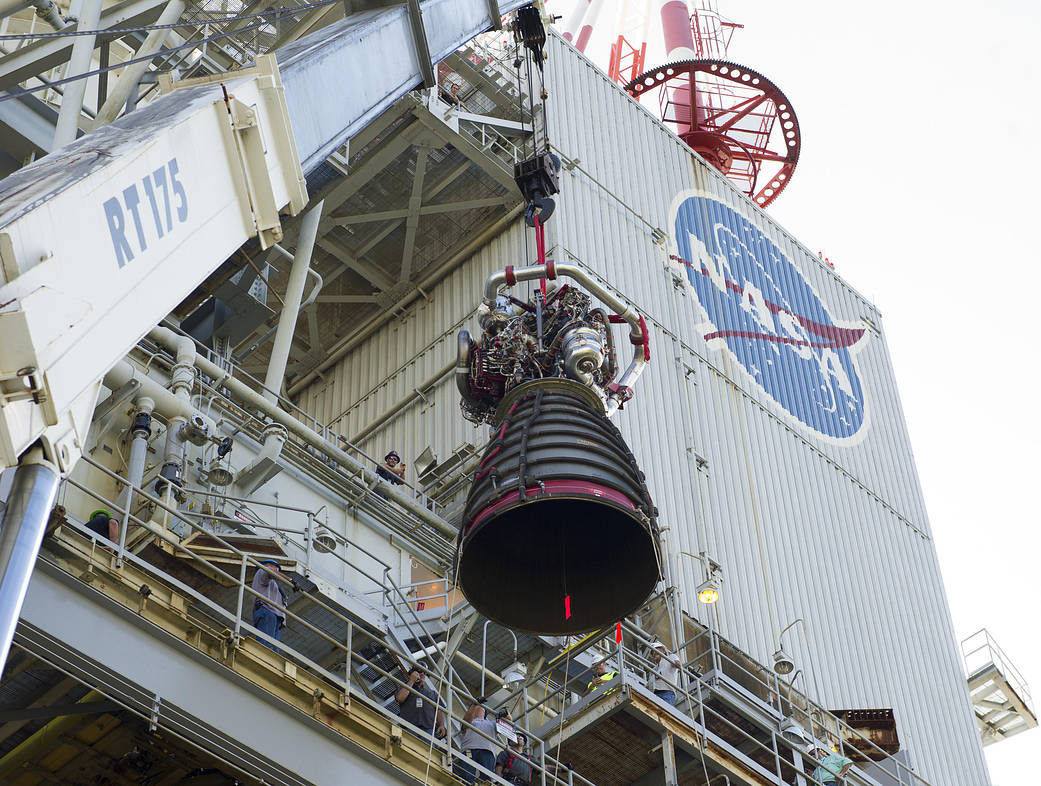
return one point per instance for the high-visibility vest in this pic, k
(607, 677)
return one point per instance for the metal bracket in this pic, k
(153, 719)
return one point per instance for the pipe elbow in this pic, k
(491, 287)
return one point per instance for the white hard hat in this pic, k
(659, 646)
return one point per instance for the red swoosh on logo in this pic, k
(836, 337)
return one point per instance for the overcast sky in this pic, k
(919, 178)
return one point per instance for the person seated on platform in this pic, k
(421, 706)
(269, 612)
(601, 676)
(666, 673)
(392, 469)
(102, 523)
(513, 765)
(475, 748)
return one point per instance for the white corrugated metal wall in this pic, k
(833, 531)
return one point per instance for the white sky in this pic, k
(919, 178)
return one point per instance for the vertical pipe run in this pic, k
(21, 532)
(79, 63)
(276, 369)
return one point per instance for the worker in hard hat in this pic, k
(832, 768)
(102, 523)
(601, 676)
(269, 610)
(666, 673)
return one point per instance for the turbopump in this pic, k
(558, 503)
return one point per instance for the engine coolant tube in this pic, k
(558, 510)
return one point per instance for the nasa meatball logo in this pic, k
(762, 311)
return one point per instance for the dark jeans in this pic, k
(464, 768)
(668, 696)
(270, 623)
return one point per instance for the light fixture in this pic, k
(793, 732)
(708, 590)
(514, 674)
(783, 664)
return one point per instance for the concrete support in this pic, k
(21, 532)
(82, 51)
(132, 74)
(276, 369)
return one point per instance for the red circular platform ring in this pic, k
(735, 118)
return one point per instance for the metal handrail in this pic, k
(235, 621)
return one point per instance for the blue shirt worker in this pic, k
(833, 768)
(102, 523)
(421, 706)
(269, 610)
(475, 747)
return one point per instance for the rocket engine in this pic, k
(558, 534)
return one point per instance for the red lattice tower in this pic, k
(735, 118)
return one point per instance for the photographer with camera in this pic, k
(419, 704)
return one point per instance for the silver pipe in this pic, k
(276, 369)
(48, 11)
(28, 509)
(141, 431)
(132, 73)
(245, 394)
(79, 63)
(166, 403)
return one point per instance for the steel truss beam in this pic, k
(46, 53)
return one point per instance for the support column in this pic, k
(276, 369)
(668, 755)
(21, 532)
(79, 63)
(132, 74)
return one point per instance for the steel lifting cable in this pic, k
(274, 15)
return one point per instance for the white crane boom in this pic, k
(103, 238)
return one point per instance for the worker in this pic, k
(269, 610)
(419, 704)
(513, 765)
(601, 676)
(392, 469)
(476, 749)
(102, 523)
(833, 767)
(666, 673)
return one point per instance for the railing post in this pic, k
(350, 650)
(542, 761)
(242, 594)
(310, 544)
(125, 525)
